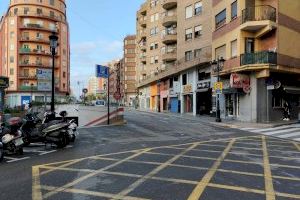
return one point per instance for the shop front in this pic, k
(188, 98)
(174, 101)
(203, 97)
(164, 93)
(154, 98)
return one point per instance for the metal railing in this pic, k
(262, 57)
(36, 14)
(259, 13)
(39, 26)
(28, 88)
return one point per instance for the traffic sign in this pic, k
(218, 86)
(102, 71)
(85, 90)
(117, 96)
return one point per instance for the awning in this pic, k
(291, 90)
(202, 90)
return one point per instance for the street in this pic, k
(158, 157)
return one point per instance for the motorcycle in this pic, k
(11, 139)
(46, 131)
(1, 152)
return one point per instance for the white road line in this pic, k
(47, 152)
(37, 144)
(282, 131)
(290, 135)
(297, 139)
(9, 158)
(247, 129)
(69, 146)
(33, 151)
(15, 160)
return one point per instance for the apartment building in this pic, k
(96, 86)
(260, 40)
(130, 77)
(116, 81)
(182, 82)
(24, 48)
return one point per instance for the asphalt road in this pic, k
(159, 157)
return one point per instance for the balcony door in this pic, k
(249, 45)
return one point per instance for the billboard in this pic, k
(44, 77)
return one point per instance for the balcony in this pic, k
(170, 54)
(27, 88)
(40, 15)
(261, 57)
(143, 21)
(143, 46)
(169, 4)
(26, 63)
(27, 76)
(169, 37)
(259, 19)
(143, 58)
(169, 19)
(28, 51)
(38, 27)
(36, 40)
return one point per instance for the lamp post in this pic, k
(31, 91)
(53, 45)
(217, 66)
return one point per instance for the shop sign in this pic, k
(187, 88)
(239, 81)
(176, 87)
(203, 84)
(218, 87)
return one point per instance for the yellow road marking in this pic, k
(198, 190)
(91, 193)
(297, 145)
(293, 196)
(65, 165)
(270, 193)
(66, 186)
(36, 190)
(152, 173)
(236, 188)
(245, 154)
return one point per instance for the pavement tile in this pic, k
(284, 161)
(66, 195)
(248, 145)
(168, 150)
(204, 154)
(207, 147)
(133, 168)
(223, 194)
(153, 158)
(162, 190)
(284, 153)
(245, 150)
(280, 147)
(112, 184)
(195, 162)
(120, 155)
(253, 182)
(242, 167)
(93, 164)
(51, 179)
(242, 157)
(182, 173)
(286, 186)
(285, 172)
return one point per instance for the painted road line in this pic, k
(137, 183)
(290, 135)
(297, 145)
(271, 129)
(273, 133)
(247, 129)
(68, 185)
(9, 158)
(198, 190)
(32, 151)
(48, 152)
(36, 189)
(16, 160)
(270, 193)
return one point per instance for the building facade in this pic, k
(130, 77)
(259, 41)
(96, 86)
(116, 81)
(182, 84)
(24, 48)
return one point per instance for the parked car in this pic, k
(100, 103)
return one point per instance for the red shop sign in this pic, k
(239, 81)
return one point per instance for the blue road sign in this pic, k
(102, 71)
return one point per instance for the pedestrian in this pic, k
(286, 111)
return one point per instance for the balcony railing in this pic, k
(40, 15)
(27, 76)
(39, 27)
(28, 88)
(35, 51)
(37, 39)
(259, 13)
(262, 57)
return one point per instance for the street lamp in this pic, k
(53, 45)
(31, 90)
(217, 66)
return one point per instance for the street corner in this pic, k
(232, 168)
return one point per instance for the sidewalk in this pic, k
(227, 123)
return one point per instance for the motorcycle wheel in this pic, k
(26, 142)
(1, 155)
(63, 141)
(20, 151)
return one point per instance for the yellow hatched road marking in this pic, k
(270, 193)
(297, 145)
(292, 196)
(36, 190)
(236, 188)
(66, 186)
(91, 193)
(152, 173)
(198, 190)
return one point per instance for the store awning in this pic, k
(291, 90)
(202, 90)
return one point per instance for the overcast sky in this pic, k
(97, 31)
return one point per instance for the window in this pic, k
(39, 47)
(220, 19)
(51, 2)
(197, 53)
(12, 59)
(156, 45)
(64, 74)
(154, 31)
(64, 85)
(156, 59)
(152, 18)
(188, 34)
(40, 1)
(198, 31)
(156, 16)
(12, 47)
(151, 46)
(171, 83)
(220, 52)
(26, 11)
(39, 35)
(277, 101)
(234, 10)
(234, 48)
(203, 75)
(39, 11)
(152, 60)
(12, 22)
(12, 34)
(189, 12)
(184, 79)
(198, 8)
(11, 71)
(51, 14)
(188, 55)
(16, 11)
(26, 21)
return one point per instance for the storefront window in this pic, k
(277, 102)
(232, 104)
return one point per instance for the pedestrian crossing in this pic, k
(286, 132)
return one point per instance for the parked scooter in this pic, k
(11, 138)
(1, 152)
(46, 131)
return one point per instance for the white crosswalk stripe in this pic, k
(287, 131)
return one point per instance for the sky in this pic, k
(97, 29)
